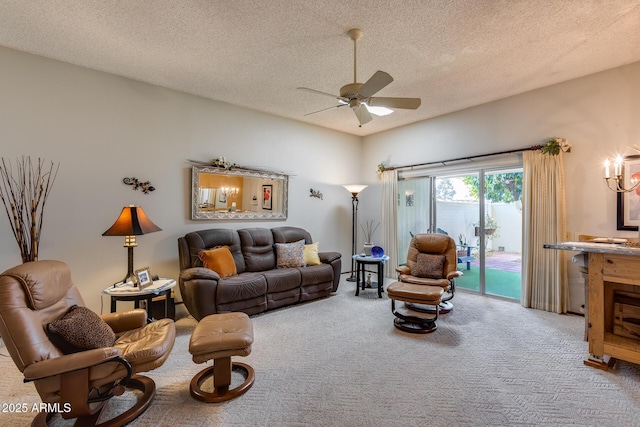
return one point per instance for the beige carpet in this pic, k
(340, 362)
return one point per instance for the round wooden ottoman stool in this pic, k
(218, 337)
(408, 320)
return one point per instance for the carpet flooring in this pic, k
(340, 362)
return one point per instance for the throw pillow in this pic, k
(219, 260)
(311, 256)
(80, 329)
(429, 266)
(290, 254)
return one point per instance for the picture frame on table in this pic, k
(267, 196)
(628, 204)
(143, 275)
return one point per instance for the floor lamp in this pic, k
(354, 189)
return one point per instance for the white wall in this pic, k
(598, 114)
(102, 128)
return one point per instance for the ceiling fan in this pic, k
(360, 97)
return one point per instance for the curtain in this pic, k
(544, 275)
(389, 216)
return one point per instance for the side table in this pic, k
(361, 262)
(128, 292)
(468, 258)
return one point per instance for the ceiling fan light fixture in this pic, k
(359, 96)
(379, 111)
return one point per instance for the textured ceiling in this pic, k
(452, 54)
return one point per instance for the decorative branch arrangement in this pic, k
(368, 229)
(145, 186)
(24, 192)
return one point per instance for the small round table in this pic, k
(128, 292)
(361, 262)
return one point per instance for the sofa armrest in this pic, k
(329, 257)
(198, 273)
(199, 291)
(69, 362)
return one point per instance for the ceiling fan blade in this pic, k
(362, 114)
(306, 89)
(408, 103)
(325, 109)
(378, 81)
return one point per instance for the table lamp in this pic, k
(132, 222)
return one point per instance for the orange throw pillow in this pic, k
(219, 260)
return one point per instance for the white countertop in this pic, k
(604, 248)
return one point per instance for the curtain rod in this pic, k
(444, 162)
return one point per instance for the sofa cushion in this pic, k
(197, 241)
(80, 329)
(316, 274)
(290, 254)
(290, 234)
(311, 256)
(244, 286)
(429, 266)
(257, 248)
(282, 279)
(219, 260)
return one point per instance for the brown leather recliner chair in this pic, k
(434, 244)
(78, 384)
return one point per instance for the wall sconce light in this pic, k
(408, 196)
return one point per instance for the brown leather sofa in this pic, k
(259, 286)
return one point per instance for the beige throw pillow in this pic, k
(311, 256)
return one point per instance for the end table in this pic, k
(361, 262)
(128, 292)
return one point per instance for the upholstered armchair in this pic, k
(77, 360)
(432, 260)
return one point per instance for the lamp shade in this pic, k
(132, 222)
(354, 188)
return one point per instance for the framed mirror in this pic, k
(238, 194)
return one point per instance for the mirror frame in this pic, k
(196, 213)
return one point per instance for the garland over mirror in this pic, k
(224, 192)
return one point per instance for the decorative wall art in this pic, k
(145, 186)
(267, 199)
(315, 193)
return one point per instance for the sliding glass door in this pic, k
(457, 214)
(487, 234)
(503, 233)
(414, 212)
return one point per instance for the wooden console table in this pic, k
(612, 269)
